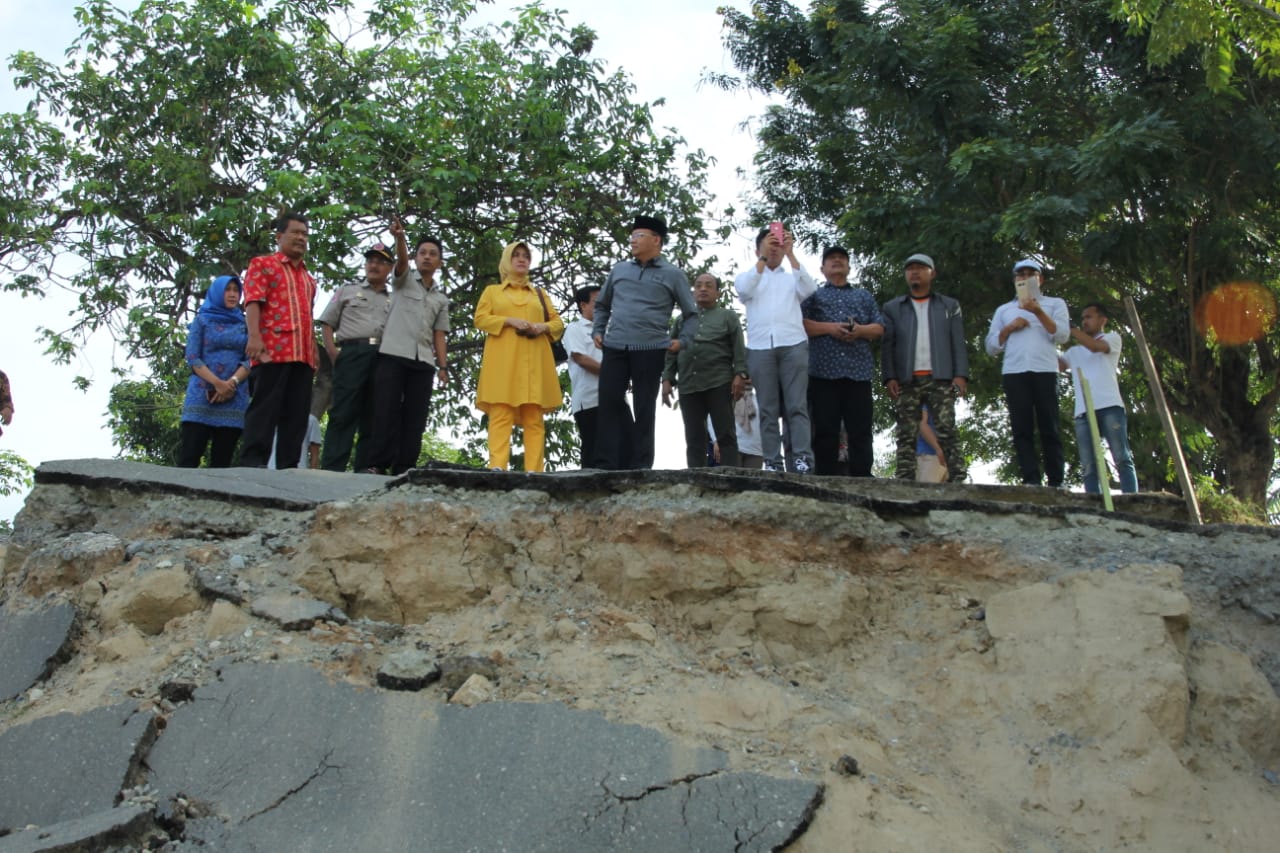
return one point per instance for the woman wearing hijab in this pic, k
(518, 380)
(213, 410)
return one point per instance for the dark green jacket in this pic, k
(711, 353)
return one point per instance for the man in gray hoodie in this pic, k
(924, 361)
(631, 326)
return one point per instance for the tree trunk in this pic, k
(1220, 399)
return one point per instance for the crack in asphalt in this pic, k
(323, 767)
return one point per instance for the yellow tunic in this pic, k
(516, 370)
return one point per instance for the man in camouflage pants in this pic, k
(925, 361)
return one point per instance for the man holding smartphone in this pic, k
(777, 345)
(1026, 331)
(841, 322)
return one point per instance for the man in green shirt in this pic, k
(710, 366)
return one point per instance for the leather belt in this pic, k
(370, 341)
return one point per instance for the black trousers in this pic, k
(588, 432)
(279, 401)
(643, 370)
(1032, 399)
(833, 402)
(694, 409)
(401, 398)
(352, 408)
(197, 437)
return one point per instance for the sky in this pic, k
(54, 420)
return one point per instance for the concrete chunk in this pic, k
(292, 761)
(293, 613)
(31, 644)
(73, 764)
(119, 828)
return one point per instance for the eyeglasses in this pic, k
(640, 235)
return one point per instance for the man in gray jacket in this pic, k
(930, 368)
(632, 328)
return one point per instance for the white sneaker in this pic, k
(803, 467)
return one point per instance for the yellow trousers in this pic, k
(501, 420)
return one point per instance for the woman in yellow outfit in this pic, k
(518, 380)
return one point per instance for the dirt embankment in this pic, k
(1008, 672)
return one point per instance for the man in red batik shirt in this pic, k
(278, 295)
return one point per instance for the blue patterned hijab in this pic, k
(215, 304)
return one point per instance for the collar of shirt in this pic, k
(300, 263)
(655, 261)
(426, 285)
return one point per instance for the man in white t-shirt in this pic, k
(1096, 359)
(584, 374)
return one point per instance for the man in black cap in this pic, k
(925, 362)
(352, 326)
(631, 326)
(841, 322)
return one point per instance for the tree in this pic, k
(158, 153)
(15, 476)
(985, 132)
(1219, 29)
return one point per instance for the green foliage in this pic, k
(985, 132)
(1218, 31)
(15, 473)
(1218, 506)
(144, 417)
(176, 131)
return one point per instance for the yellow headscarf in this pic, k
(504, 265)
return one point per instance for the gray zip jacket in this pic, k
(946, 338)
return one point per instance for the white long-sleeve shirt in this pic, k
(1033, 349)
(772, 301)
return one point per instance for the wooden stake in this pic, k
(1162, 407)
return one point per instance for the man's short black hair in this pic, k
(428, 238)
(1097, 306)
(281, 224)
(582, 295)
(764, 232)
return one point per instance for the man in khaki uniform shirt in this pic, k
(410, 358)
(352, 327)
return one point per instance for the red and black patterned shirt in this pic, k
(286, 291)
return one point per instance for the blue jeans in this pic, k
(1113, 427)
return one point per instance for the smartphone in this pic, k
(778, 232)
(1028, 289)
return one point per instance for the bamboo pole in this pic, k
(1099, 458)
(1162, 407)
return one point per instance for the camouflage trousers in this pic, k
(940, 396)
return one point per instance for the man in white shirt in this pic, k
(1097, 360)
(584, 373)
(1027, 333)
(778, 348)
